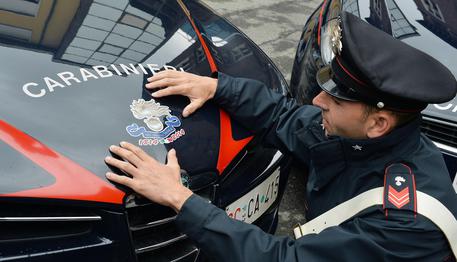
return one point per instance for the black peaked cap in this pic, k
(377, 69)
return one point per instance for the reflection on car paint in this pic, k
(454, 184)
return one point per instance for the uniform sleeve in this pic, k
(283, 123)
(224, 239)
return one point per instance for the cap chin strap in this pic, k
(427, 206)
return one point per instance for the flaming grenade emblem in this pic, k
(151, 112)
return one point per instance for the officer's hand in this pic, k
(198, 89)
(151, 179)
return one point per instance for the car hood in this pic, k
(432, 29)
(72, 84)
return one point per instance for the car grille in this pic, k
(154, 234)
(440, 132)
(32, 230)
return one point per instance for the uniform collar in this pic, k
(333, 156)
(392, 145)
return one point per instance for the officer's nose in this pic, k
(321, 100)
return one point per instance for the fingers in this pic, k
(191, 108)
(136, 150)
(126, 154)
(164, 79)
(164, 82)
(171, 90)
(161, 75)
(123, 180)
(122, 165)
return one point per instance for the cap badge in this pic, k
(380, 105)
(336, 35)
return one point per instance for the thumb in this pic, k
(191, 108)
(172, 160)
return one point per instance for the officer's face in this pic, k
(342, 118)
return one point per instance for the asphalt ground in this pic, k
(275, 26)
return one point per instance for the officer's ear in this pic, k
(379, 123)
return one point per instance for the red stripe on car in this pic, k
(228, 147)
(208, 55)
(72, 181)
(320, 23)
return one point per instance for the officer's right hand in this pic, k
(198, 89)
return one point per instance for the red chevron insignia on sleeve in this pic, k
(399, 189)
(398, 199)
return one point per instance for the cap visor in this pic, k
(325, 81)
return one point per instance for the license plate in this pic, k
(252, 205)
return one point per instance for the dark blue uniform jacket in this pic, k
(337, 172)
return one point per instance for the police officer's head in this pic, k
(375, 82)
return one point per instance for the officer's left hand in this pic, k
(198, 89)
(158, 182)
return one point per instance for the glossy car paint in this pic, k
(60, 119)
(66, 98)
(429, 25)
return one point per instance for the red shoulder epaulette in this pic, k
(399, 188)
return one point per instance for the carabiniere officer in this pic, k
(378, 189)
